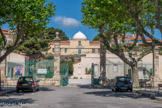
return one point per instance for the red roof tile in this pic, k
(64, 42)
(5, 31)
(95, 42)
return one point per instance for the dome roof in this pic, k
(79, 35)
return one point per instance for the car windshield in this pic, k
(123, 79)
(26, 79)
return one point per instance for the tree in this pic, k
(25, 18)
(50, 34)
(97, 38)
(70, 65)
(40, 42)
(112, 21)
(146, 14)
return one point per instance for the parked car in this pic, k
(122, 83)
(27, 83)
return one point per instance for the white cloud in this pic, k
(67, 22)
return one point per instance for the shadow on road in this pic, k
(109, 93)
(44, 89)
(106, 92)
(92, 87)
(16, 102)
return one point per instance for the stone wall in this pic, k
(42, 81)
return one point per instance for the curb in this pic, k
(7, 92)
(148, 95)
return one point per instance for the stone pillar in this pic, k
(2, 71)
(102, 65)
(57, 76)
(156, 79)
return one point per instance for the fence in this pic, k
(42, 69)
(64, 72)
(113, 69)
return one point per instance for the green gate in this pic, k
(64, 72)
(94, 81)
(41, 69)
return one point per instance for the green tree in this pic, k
(111, 19)
(97, 38)
(70, 65)
(25, 18)
(50, 34)
(40, 42)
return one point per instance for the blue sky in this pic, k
(68, 17)
(69, 11)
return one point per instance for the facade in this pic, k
(9, 36)
(116, 67)
(13, 67)
(79, 45)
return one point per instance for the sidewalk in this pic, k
(6, 90)
(151, 93)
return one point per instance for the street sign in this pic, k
(42, 71)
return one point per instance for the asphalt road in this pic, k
(77, 97)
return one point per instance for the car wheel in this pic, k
(38, 89)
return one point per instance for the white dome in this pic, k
(79, 35)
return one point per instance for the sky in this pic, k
(68, 18)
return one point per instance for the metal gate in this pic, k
(28, 68)
(94, 81)
(64, 72)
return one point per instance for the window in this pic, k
(96, 68)
(115, 69)
(98, 50)
(79, 51)
(106, 68)
(53, 49)
(79, 43)
(140, 41)
(65, 50)
(93, 50)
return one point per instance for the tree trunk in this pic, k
(135, 76)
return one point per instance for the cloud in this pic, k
(67, 22)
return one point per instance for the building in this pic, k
(9, 36)
(79, 45)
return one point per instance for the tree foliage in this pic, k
(97, 38)
(49, 33)
(70, 65)
(25, 18)
(115, 18)
(40, 42)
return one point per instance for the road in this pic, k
(82, 96)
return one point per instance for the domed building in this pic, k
(78, 45)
